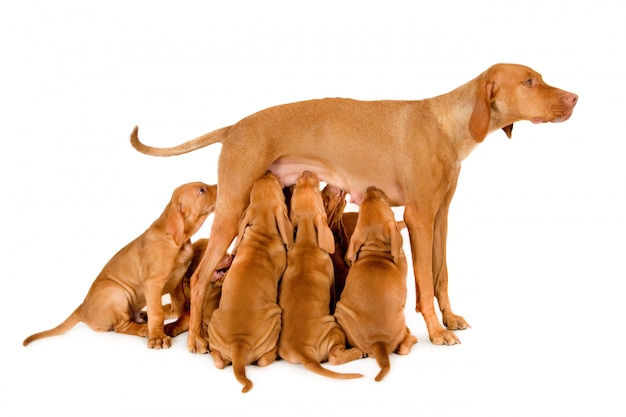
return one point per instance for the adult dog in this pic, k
(412, 150)
(140, 273)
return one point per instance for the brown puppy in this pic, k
(310, 334)
(180, 297)
(245, 327)
(412, 150)
(371, 310)
(139, 274)
(335, 202)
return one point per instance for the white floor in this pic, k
(536, 237)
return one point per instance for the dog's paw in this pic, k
(444, 337)
(454, 322)
(160, 342)
(197, 344)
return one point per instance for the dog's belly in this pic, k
(288, 169)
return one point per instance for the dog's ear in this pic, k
(357, 240)
(243, 225)
(325, 237)
(395, 238)
(481, 115)
(175, 223)
(284, 225)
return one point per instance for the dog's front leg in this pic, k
(157, 339)
(440, 266)
(421, 234)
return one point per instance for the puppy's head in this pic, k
(376, 227)
(189, 207)
(267, 195)
(307, 203)
(335, 203)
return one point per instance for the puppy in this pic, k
(140, 273)
(371, 309)
(180, 297)
(310, 334)
(245, 327)
(335, 202)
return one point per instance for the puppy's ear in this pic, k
(175, 223)
(325, 238)
(284, 225)
(356, 242)
(481, 115)
(243, 225)
(391, 229)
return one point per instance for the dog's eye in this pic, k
(529, 82)
(202, 190)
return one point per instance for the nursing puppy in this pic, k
(140, 273)
(245, 327)
(371, 309)
(180, 297)
(335, 203)
(310, 334)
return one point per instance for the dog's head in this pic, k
(376, 228)
(267, 195)
(189, 207)
(508, 93)
(307, 203)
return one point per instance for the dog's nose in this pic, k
(571, 98)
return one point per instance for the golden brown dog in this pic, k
(245, 327)
(412, 150)
(180, 296)
(335, 202)
(139, 274)
(309, 333)
(371, 310)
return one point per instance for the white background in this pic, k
(536, 241)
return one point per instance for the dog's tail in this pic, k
(239, 366)
(62, 328)
(191, 145)
(314, 366)
(379, 351)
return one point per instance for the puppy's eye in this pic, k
(202, 190)
(529, 82)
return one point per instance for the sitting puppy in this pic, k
(179, 308)
(245, 327)
(139, 274)
(310, 334)
(371, 309)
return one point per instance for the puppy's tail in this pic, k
(314, 366)
(191, 145)
(379, 351)
(62, 328)
(239, 366)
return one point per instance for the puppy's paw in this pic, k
(197, 344)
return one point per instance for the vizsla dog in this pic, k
(334, 203)
(139, 274)
(371, 310)
(309, 333)
(245, 327)
(412, 150)
(180, 296)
